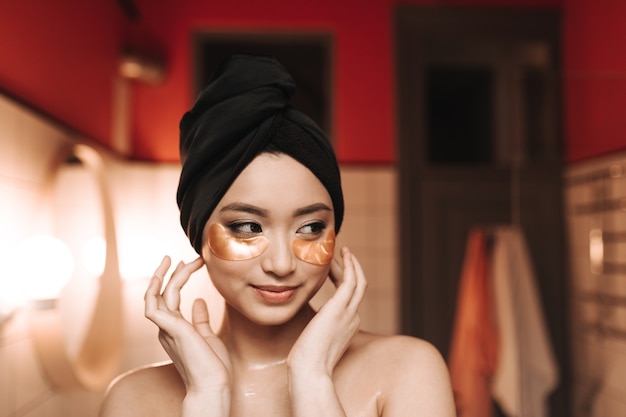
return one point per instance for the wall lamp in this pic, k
(44, 265)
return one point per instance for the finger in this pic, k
(361, 285)
(349, 269)
(165, 264)
(202, 324)
(180, 266)
(171, 293)
(151, 296)
(154, 286)
(336, 271)
(346, 287)
(200, 318)
(155, 308)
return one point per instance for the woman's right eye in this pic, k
(245, 229)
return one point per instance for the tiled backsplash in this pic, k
(596, 217)
(144, 202)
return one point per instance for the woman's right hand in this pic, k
(197, 353)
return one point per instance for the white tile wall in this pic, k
(599, 358)
(144, 205)
(28, 146)
(370, 231)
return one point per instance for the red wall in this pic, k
(61, 57)
(595, 77)
(363, 98)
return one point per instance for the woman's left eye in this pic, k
(312, 229)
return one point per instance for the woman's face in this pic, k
(269, 242)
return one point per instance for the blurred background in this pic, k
(446, 116)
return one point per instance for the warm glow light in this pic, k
(139, 256)
(93, 256)
(596, 251)
(44, 265)
(11, 296)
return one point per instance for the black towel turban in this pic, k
(243, 112)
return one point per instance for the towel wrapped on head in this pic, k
(243, 112)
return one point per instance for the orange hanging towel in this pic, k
(474, 347)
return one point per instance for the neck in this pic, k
(254, 344)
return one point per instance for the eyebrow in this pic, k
(250, 209)
(245, 208)
(313, 208)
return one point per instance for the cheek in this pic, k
(227, 277)
(223, 273)
(317, 276)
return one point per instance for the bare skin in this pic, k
(378, 376)
(274, 355)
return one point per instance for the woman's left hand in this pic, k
(328, 334)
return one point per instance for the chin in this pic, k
(275, 317)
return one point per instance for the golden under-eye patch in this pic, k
(315, 252)
(230, 248)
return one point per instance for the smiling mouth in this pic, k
(275, 295)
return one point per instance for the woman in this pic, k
(261, 202)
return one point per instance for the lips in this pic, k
(275, 294)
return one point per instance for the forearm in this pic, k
(313, 394)
(216, 404)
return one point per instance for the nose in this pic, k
(279, 258)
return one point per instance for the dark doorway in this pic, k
(479, 144)
(307, 57)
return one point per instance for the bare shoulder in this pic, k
(399, 354)
(154, 390)
(411, 374)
